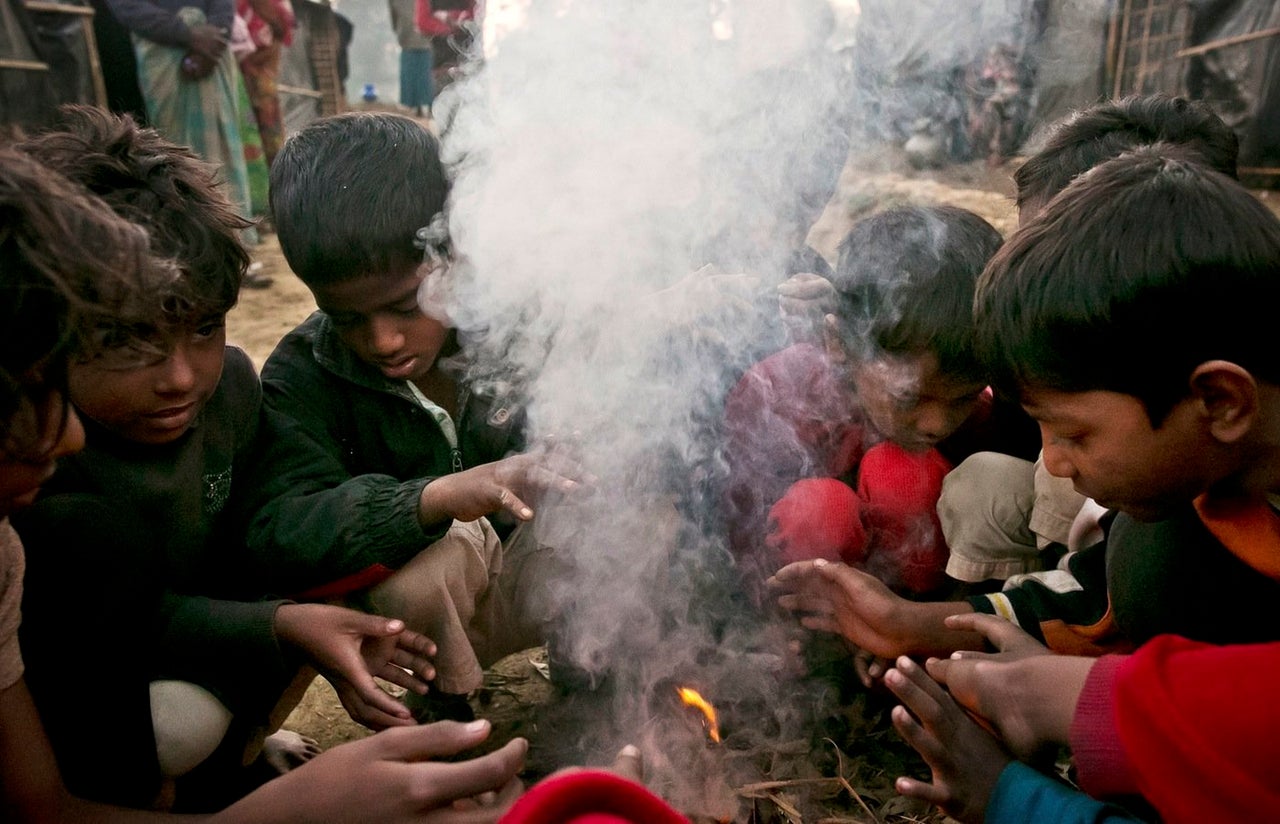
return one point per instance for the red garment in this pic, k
(795, 415)
(818, 518)
(590, 797)
(1194, 728)
(268, 20)
(440, 23)
(900, 490)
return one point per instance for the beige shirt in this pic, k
(12, 565)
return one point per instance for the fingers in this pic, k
(629, 764)
(1000, 633)
(488, 773)
(911, 788)
(368, 704)
(510, 502)
(408, 680)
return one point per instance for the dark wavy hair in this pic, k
(168, 191)
(905, 280)
(67, 262)
(1086, 138)
(1140, 270)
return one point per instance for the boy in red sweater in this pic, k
(838, 451)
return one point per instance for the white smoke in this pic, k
(605, 151)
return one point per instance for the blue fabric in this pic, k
(1026, 795)
(416, 86)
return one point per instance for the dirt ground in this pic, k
(517, 696)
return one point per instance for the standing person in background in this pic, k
(188, 79)
(417, 89)
(270, 25)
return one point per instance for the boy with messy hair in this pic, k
(1147, 359)
(892, 400)
(138, 534)
(388, 469)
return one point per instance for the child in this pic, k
(53, 287)
(136, 535)
(386, 472)
(889, 405)
(1002, 516)
(1162, 554)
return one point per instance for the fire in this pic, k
(691, 698)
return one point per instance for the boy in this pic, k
(171, 415)
(384, 472)
(889, 404)
(52, 289)
(1164, 405)
(1002, 516)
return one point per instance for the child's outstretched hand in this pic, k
(1029, 698)
(804, 299)
(392, 778)
(834, 597)
(512, 485)
(965, 759)
(349, 648)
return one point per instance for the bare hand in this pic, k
(209, 42)
(509, 485)
(389, 778)
(349, 648)
(834, 597)
(965, 759)
(804, 299)
(1029, 699)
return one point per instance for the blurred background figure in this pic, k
(417, 89)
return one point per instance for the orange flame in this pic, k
(691, 698)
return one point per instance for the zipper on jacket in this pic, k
(456, 454)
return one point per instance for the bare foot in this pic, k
(286, 749)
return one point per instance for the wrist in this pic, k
(431, 506)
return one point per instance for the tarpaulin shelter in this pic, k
(48, 56)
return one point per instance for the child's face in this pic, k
(43, 429)
(152, 395)
(1104, 442)
(910, 402)
(379, 318)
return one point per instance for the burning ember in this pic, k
(692, 698)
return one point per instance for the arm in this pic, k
(349, 648)
(1027, 694)
(973, 778)
(31, 789)
(1068, 609)
(837, 598)
(148, 20)
(390, 778)
(1190, 726)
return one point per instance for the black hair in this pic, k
(164, 188)
(1143, 268)
(66, 261)
(1088, 137)
(905, 279)
(349, 193)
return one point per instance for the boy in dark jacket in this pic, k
(387, 471)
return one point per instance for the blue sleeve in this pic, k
(1023, 794)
